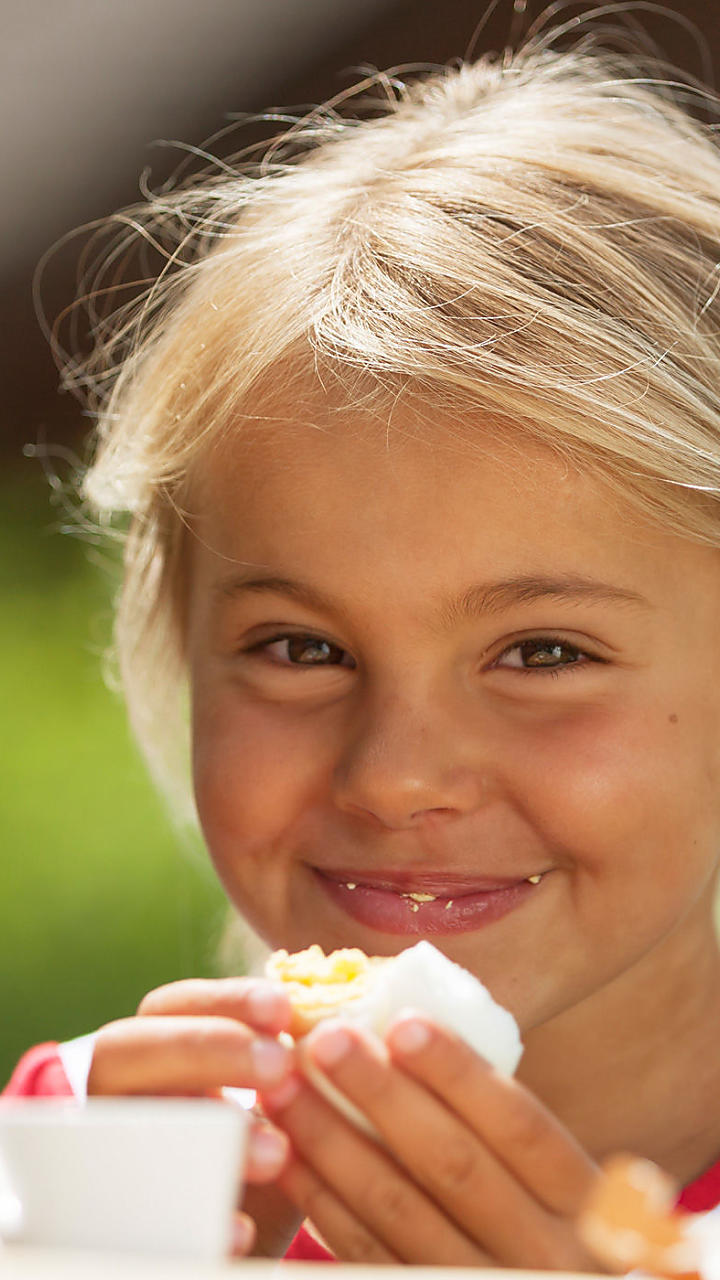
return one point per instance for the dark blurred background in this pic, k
(100, 897)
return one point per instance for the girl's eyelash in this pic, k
(303, 638)
(547, 643)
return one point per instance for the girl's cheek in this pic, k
(591, 765)
(254, 769)
(611, 785)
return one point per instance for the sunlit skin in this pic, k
(364, 703)
(425, 653)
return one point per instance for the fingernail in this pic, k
(268, 1150)
(409, 1036)
(270, 1060)
(329, 1046)
(265, 1005)
(282, 1096)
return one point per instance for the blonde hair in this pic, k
(535, 236)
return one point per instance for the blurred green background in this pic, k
(101, 898)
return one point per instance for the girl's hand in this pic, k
(473, 1170)
(190, 1039)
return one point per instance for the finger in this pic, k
(345, 1236)
(243, 1235)
(523, 1134)
(484, 1201)
(268, 1151)
(184, 1055)
(277, 1220)
(259, 1004)
(380, 1200)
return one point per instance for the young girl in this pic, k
(419, 435)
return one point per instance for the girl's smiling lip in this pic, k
(425, 903)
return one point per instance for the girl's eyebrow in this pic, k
(495, 597)
(237, 584)
(482, 598)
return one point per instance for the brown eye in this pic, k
(546, 653)
(310, 650)
(307, 651)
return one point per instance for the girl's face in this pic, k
(452, 688)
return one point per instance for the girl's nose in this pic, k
(402, 766)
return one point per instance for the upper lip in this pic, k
(440, 883)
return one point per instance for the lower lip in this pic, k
(389, 912)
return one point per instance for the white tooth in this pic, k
(421, 897)
(350, 886)
(534, 879)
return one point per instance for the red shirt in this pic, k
(39, 1073)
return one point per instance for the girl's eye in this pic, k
(306, 651)
(543, 653)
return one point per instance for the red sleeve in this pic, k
(39, 1073)
(305, 1248)
(704, 1193)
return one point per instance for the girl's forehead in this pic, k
(441, 489)
(403, 447)
(391, 521)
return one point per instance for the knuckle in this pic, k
(543, 1250)
(523, 1125)
(360, 1246)
(174, 997)
(113, 1043)
(552, 1253)
(456, 1168)
(196, 995)
(219, 1036)
(315, 1200)
(375, 1095)
(349, 1239)
(158, 1000)
(394, 1203)
(458, 1068)
(115, 1037)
